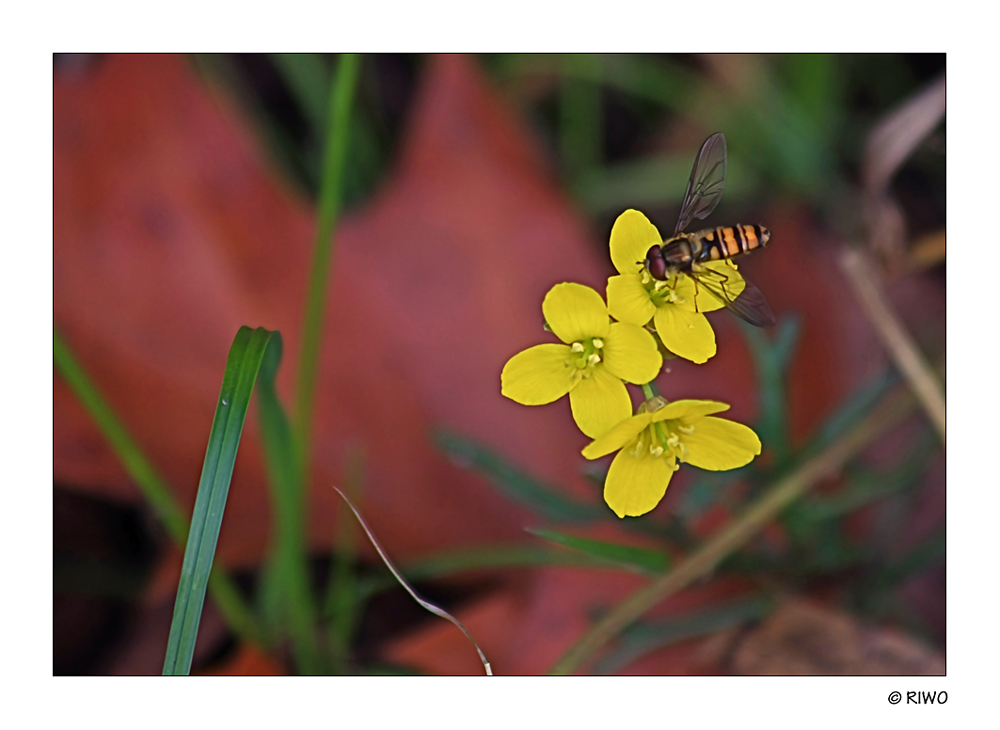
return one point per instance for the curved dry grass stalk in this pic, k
(436, 610)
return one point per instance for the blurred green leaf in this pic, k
(653, 78)
(580, 115)
(340, 102)
(242, 366)
(772, 359)
(851, 412)
(514, 483)
(633, 558)
(649, 182)
(646, 637)
(307, 77)
(497, 557)
(285, 588)
(815, 83)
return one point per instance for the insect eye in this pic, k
(655, 264)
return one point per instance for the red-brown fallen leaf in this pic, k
(170, 235)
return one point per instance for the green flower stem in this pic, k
(736, 535)
(647, 388)
(226, 595)
(330, 194)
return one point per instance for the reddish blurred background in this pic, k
(178, 219)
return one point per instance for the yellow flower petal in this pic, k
(630, 352)
(636, 484)
(631, 237)
(718, 444)
(628, 300)
(686, 334)
(575, 312)
(686, 293)
(600, 402)
(624, 433)
(725, 276)
(689, 411)
(538, 375)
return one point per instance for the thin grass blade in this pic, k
(626, 556)
(514, 483)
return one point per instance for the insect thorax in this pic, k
(679, 251)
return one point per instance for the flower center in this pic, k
(663, 439)
(587, 354)
(664, 292)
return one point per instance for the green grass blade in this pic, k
(242, 366)
(290, 601)
(633, 558)
(231, 604)
(515, 483)
(330, 194)
(495, 557)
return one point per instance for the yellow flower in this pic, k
(676, 306)
(590, 366)
(660, 435)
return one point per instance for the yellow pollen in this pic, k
(659, 285)
(576, 347)
(637, 451)
(594, 359)
(598, 343)
(645, 277)
(688, 430)
(684, 452)
(673, 441)
(655, 450)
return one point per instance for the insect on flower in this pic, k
(687, 253)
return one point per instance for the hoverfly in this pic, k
(684, 253)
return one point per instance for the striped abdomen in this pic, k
(724, 242)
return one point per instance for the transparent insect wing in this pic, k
(750, 305)
(708, 177)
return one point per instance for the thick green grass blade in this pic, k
(245, 357)
(515, 483)
(633, 558)
(234, 609)
(287, 579)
